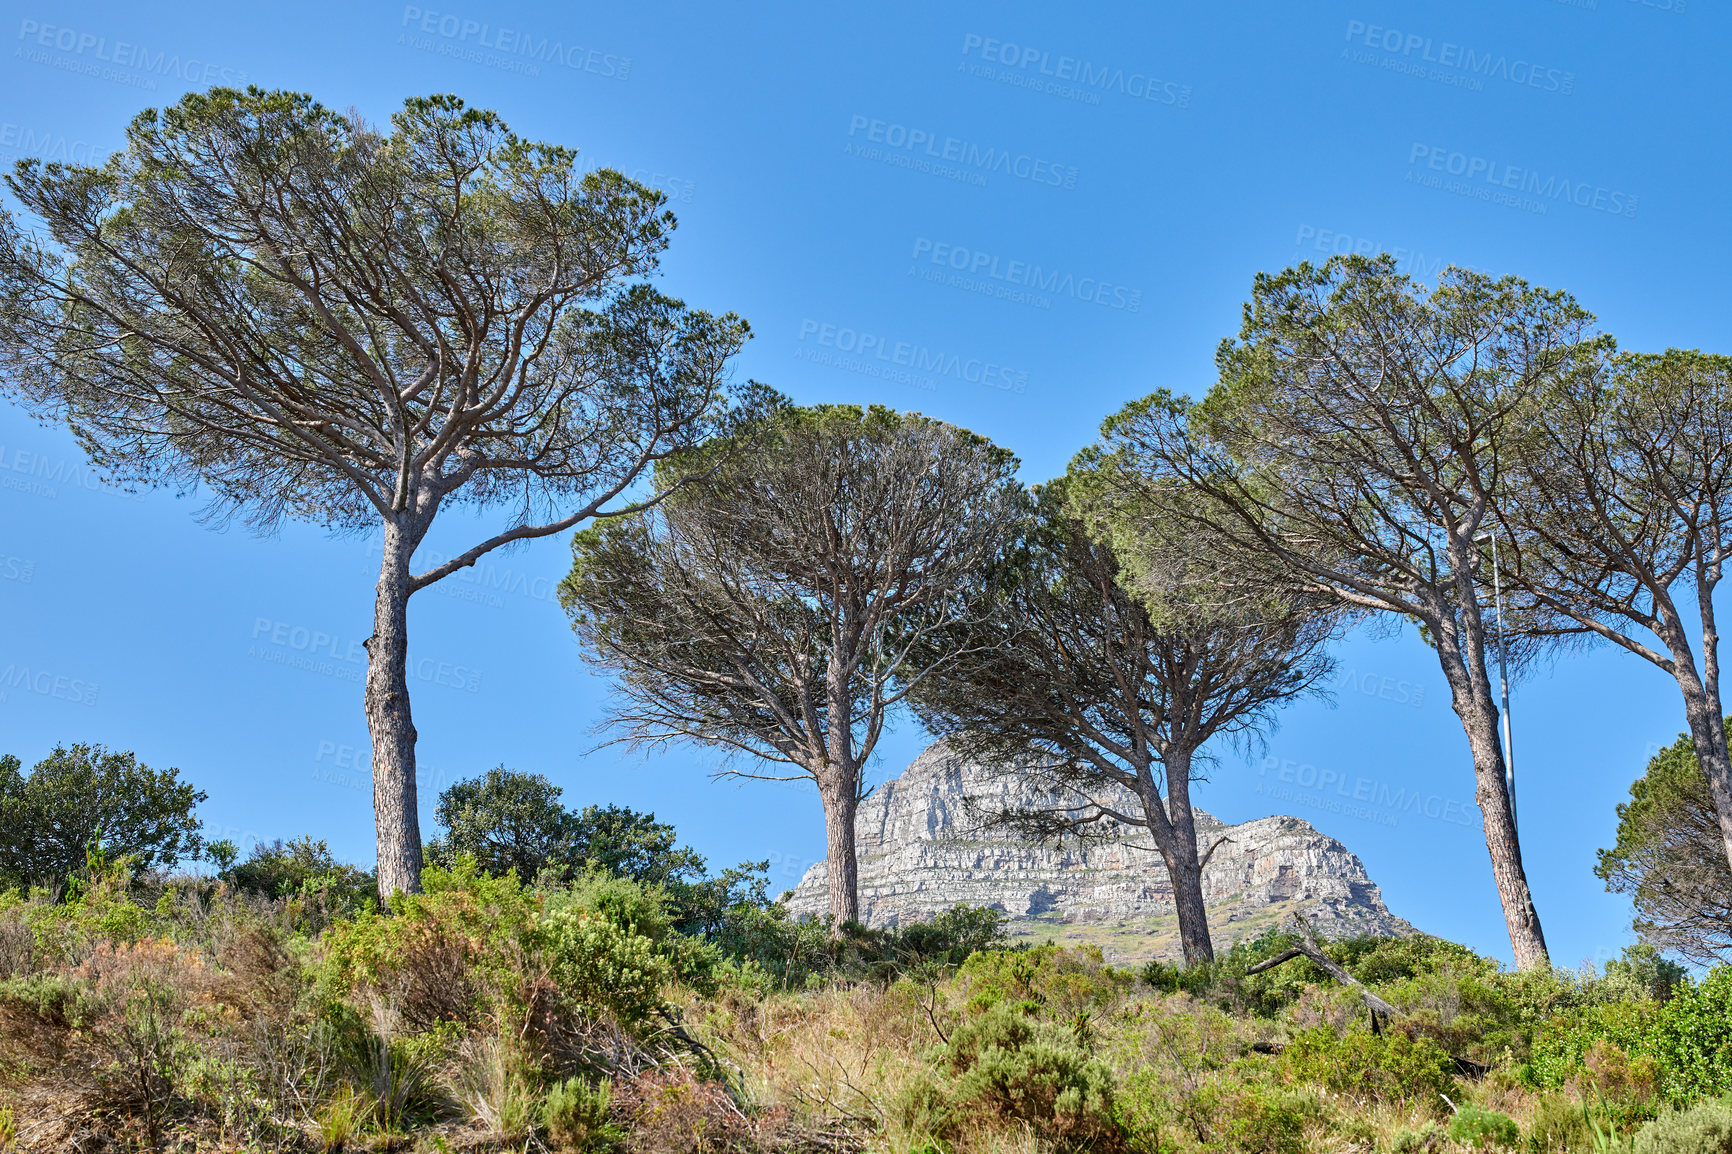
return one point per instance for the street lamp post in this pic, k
(1502, 674)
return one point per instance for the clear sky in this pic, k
(1075, 195)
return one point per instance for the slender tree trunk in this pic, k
(841, 802)
(1182, 864)
(1479, 717)
(1470, 695)
(1459, 638)
(395, 815)
(1707, 725)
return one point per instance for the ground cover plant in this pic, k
(146, 1010)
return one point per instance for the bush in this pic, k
(448, 954)
(84, 797)
(1561, 1046)
(1004, 1068)
(304, 867)
(1482, 1129)
(1705, 1128)
(1387, 1067)
(604, 966)
(1063, 982)
(1692, 1039)
(1426, 1137)
(576, 1116)
(1266, 1120)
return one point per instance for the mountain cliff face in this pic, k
(922, 849)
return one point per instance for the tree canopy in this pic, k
(1669, 859)
(1067, 677)
(1355, 444)
(781, 604)
(84, 797)
(508, 820)
(309, 316)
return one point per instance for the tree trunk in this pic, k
(1708, 734)
(841, 801)
(1480, 719)
(395, 815)
(1470, 695)
(1182, 864)
(1459, 638)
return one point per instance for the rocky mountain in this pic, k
(923, 848)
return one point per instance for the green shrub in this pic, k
(1387, 1067)
(303, 867)
(1427, 1137)
(576, 1115)
(1692, 1039)
(1261, 1119)
(1003, 1067)
(448, 954)
(1062, 982)
(603, 965)
(1561, 1046)
(1482, 1129)
(1705, 1128)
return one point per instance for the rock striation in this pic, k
(923, 847)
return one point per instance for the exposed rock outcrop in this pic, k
(923, 848)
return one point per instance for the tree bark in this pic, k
(1470, 694)
(841, 802)
(1708, 734)
(1459, 639)
(1183, 866)
(389, 724)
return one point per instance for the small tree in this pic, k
(1355, 446)
(85, 796)
(509, 820)
(1620, 523)
(1669, 860)
(1069, 679)
(314, 318)
(776, 607)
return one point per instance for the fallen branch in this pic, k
(1311, 950)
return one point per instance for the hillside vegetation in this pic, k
(275, 1008)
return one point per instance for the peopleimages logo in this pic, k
(1061, 73)
(973, 264)
(1399, 46)
(46, 683)
(514, 46)
(900, 144)
(93, 49)
(881, 356)
(327, 654)
(1487, 179)
(21, 140)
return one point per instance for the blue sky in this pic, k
(1072, 200)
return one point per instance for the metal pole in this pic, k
(1503, 679)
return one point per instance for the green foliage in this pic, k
(576, 1115)
(1670, 859)
(1255, 1117)
(85, 796)
(1691, 1039)
(447, 954)
(1061, 982)
(1482, 1129)
(1643, 972)
(605, 966)
(1705, 1128)
(303, 867)
(1386, 1067)
(508, 820)
(1416, 1141)
(1003, 1067)
(1688, 1036)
